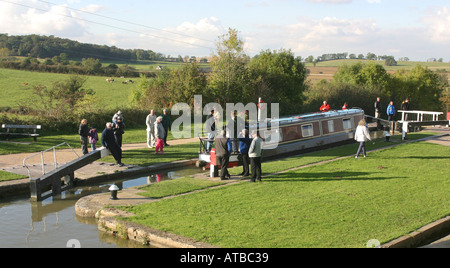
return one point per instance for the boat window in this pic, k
(307, 131)
(347, 123)
(330, 126)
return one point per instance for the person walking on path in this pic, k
(362, 135)
(244, 146)
(93, 137)
(150, 122)
(166, 125)
(223, 154)
(83, 130)
(110, 143)
(255, 154)
(159, 135)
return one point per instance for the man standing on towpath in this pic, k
(110, 143)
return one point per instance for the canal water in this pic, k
(53, 223)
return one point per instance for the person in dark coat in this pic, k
(110, 143)
(166, 125)
(83, 130)
(406, 107)
(119, 130)
(223, 155)
(244, 146)
(234, 127)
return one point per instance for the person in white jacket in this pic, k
(255, 155)
(150, 122)
(362, 135)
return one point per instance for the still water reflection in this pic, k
(52, 223)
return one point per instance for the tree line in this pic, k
(389, 60)
(38, 46)
(280, 77)
(277, 76)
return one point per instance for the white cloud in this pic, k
(57, 20)
(437, 21)
(310, 36)
(331, 1)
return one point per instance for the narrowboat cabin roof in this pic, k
(314, 116)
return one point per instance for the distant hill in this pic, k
(39, 46)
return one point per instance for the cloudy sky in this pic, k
(417, 29)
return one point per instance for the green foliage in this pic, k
(422, 86)
(278, 77)
(229, 79)
(38, 46)
(370, 74)
(360, 84)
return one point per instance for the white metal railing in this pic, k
(42, 158)
(419, 115)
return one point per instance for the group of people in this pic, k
(391, 111)
(362, 134)
(232, 141)
(111, 136)
(326, 107)
(249, 148)
(157, 131)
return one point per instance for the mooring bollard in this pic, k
(114, 189)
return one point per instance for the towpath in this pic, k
(14, 162)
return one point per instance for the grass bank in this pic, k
(341, 204)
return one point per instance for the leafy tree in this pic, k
(370, 74)
(152, 92)
(92, 66)
(228, 78)
(390, 61)
(278, 77)
(424, 87)
(61, 101)
(187, 82)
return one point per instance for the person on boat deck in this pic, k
(345, 107)
(325, 107)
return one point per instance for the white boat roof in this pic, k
(318, 115)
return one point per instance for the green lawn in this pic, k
(7, 176)
(14, 91)
(340, 204)
(146, 157)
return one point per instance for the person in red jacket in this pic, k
(325, 107)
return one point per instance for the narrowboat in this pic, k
(295, 135)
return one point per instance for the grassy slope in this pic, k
(341, 204)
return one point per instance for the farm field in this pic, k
(16, 87)
(326, 70)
